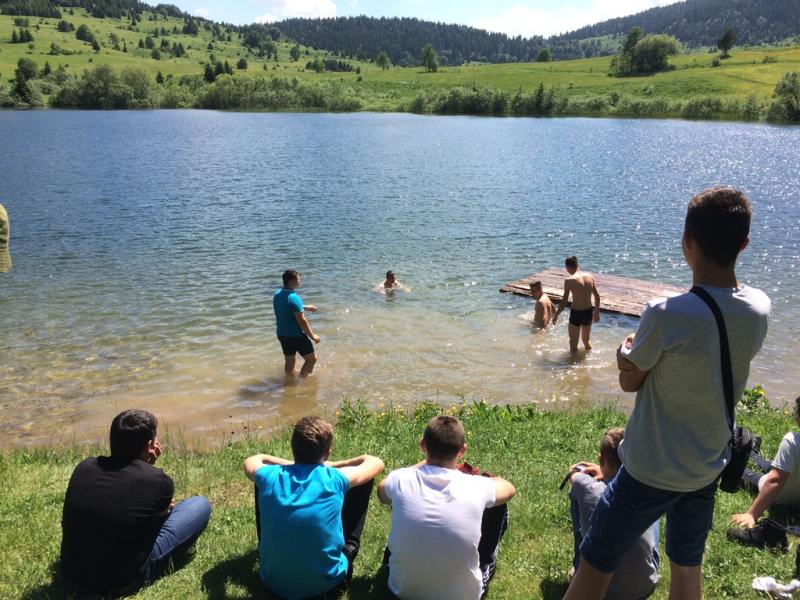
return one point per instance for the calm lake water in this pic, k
(147, 245)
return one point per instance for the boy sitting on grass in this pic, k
(447, 521)
(777, 483)
(310, 513)
(637, 574)
(121, 527)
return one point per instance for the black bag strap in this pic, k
(724, 352)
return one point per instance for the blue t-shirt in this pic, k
(301, 528)
(287, 304)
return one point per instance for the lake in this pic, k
(147, 245)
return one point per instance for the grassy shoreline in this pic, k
(530, 447)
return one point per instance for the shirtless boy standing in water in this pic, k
(543, 311)
(582, 313)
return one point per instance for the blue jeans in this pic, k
(178, 533)
(628, 507)
(578, 536)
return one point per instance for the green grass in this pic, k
(531, 448)
(742, 75)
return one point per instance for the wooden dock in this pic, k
(620, 295)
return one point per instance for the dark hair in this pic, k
(290, 275)
(610, 444)
(444, 437)
(389, 273)
(571, 262)
(718, 220)
(536, 284)
(797, 406)
(312, 438)
(131, 431)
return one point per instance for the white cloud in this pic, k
(551, 20)
(202, 12)
(283, 9)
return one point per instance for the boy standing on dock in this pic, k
(676, 441)
(582, 313)
(292, 326)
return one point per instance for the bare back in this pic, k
(581, 286)
(543, 312)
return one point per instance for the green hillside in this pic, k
(739, 87)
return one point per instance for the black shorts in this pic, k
(291, 345)
(580, 317)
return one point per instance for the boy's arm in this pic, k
(255, 462)
(631, 377)
(503, 490)
(382, 495)
(306, 326)
(563, 304)
(596, 294)
(362, 469)
(773, 484)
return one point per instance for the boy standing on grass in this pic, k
(637, 575)
(121, 526)
(582, 313)
(676, 441)
(447, 522)
(310, 513)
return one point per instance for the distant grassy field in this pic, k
(744, 74)
(531, 448)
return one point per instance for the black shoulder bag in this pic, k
(741, 442)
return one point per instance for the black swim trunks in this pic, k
(580, 317)
(292, 345)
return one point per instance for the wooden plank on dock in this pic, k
(620, 295)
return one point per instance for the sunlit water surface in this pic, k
(147, 246)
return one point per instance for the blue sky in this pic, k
(515, 17)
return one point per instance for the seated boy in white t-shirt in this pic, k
(777, 483)
(446, 524)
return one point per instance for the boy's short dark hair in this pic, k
(312, 439)
(444, 437)
(536, 284)
(389, 273)
(131, 431)
(609, 446)
(718, 220)
(289, 275)
(571, 262)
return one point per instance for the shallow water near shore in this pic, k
(146, 247)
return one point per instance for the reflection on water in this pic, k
(145, 281)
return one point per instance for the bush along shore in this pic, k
(530, 447)
(103, 87)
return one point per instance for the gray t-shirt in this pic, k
(788, 460)
(677, 436)
(637, 573)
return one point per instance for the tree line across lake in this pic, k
(105, 88)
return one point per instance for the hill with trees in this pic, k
(695, 23)
(403, 39)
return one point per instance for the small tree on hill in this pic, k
(160, 78)
(294, 53)
(726, 42)
(242, 64)
(787, 97)
(382, 60)
(544, 55)
(429, 59)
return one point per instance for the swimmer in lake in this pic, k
(582, 313)
(543, 311)
(391, 281)
(391, 284)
